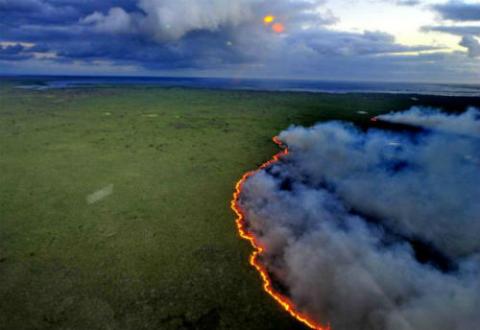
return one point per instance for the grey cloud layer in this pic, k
(472, 44)
(375, 231)
(460, 12)
(171, 20)
(150, 32)
(206, 35)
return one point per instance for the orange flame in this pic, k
(283, 301)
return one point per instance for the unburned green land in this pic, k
(157, 248)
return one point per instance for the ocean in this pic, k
(59, 82)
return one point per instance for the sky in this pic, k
(370, 40)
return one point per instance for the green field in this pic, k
(161, 251)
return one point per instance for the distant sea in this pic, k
(50, 82)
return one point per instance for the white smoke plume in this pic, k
(375, 230)
(466, 123)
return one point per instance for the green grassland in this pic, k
(161, 252)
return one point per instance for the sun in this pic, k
(268, 19)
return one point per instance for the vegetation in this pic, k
(161, 251)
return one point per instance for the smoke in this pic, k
(466, 123)
(375, 230)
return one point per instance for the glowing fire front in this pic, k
(282, 300)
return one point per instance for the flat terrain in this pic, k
(157, 248)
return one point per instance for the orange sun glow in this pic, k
(278, 28)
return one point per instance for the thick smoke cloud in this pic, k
(375, 230)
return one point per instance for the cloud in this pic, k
(330, 42)
(18, 51)
(408, 2)
(20, 12)
(166, 33)
(168, 29)
(12, 52)
(116, 21)
(174, 19)
(462, 14)
(472, 44)
(221, 37)
(460, 30)
(375, 230)
(459, 11)
(468, 33)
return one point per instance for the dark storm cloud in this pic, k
(459, 11)
(472, 44)
(460, 30)
(375, 230)
(171, 34)
(53, 11)
(14, 52)
(469, 34)
(17, 12)
(147, 32)
(328, 42)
